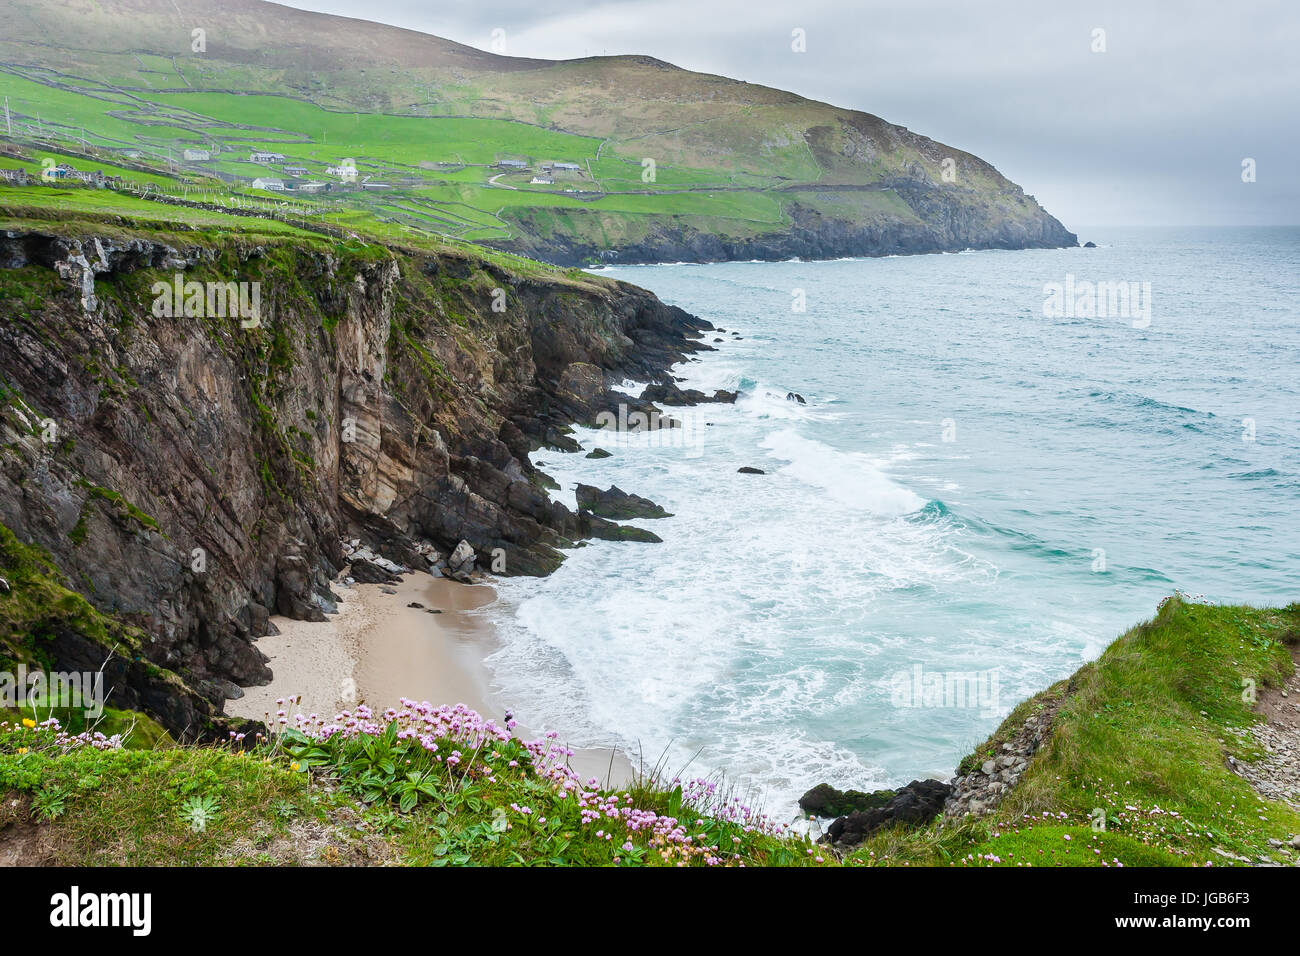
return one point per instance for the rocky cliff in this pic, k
(932, 217)
(191, 475)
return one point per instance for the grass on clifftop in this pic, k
(417, 786)
(1141, 740)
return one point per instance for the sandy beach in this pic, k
(378, 649)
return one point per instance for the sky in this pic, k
(1147, 123)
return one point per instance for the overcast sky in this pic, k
(1152, 131)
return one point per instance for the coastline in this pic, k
(377, 649)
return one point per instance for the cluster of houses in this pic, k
(296, 180)
(290, 185)
(546, 171)
(61, 173)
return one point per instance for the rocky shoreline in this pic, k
(203, 475)
(983, 780)
(946, 220)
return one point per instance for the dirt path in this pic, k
(1277, 775)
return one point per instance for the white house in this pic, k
(541, 181)
(197, 155)
(271, 185)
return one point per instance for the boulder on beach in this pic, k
(460, 563)
(365, 571)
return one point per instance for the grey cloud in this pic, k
(1151, 131)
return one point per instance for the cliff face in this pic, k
(933, 218)
(190, 476)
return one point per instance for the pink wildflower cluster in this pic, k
(421, 722)
(63, 740)
(702, 795)
(610, 814)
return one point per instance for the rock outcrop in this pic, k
(912, 806)
(189, 475)
(824, 800)
(616, 504)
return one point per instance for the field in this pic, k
(439, 175)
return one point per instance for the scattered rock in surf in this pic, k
(594, 526)
(719, 340)
(795, 397)
(432, 610)
(1090, 245)
(617, 504)
(598, 453)
(750, 470)
(673, 394)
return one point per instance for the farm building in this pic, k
(197, 155)
(262, 157)
(512, 164)
(295, 170)
(313, 187)
(271, 185)
(541, 181)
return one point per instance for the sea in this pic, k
(1002, 460)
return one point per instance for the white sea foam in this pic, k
(762, 637)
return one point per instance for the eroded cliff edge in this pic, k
(189, 476)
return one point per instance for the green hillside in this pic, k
(619, 158)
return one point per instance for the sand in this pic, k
(377, 650)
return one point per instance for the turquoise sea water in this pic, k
(974, 490)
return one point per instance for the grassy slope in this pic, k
(726, 151)
(1140, 733)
